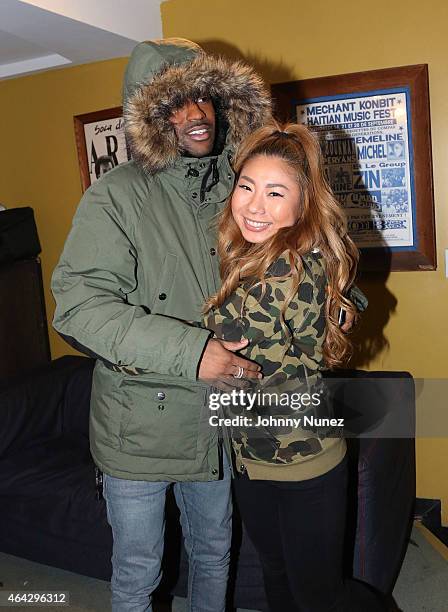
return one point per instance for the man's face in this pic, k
(194, 124)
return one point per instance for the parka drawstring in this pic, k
(213, 168)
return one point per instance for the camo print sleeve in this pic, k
(358, 298)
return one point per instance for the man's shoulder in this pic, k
(122, 189)
(122, 175)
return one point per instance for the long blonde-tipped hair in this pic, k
(321, 224)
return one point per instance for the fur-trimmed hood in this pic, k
(162, 75)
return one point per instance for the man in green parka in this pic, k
(137, 266)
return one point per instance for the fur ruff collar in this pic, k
(241, 94)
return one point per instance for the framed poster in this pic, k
(100, 143)
(374, 130)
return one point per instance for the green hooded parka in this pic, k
(140, 260)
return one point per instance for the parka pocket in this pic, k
(163, 296)
(160, 420)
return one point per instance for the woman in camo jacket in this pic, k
(287, 270)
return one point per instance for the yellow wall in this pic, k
(293, 39)
(38, 158)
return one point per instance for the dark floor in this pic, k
(422, 585)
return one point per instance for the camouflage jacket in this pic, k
(291, 360)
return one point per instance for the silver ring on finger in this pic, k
(240, 372)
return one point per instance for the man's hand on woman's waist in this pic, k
(220, 361)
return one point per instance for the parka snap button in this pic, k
(161, 395)
(229, 176)
(161, 407)
(214, 471)
(212, 251)
(194, 195)
(242, 468)
(162, 296)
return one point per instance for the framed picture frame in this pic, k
(100, 143)
(374, 130)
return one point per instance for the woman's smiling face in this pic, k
(266, 198)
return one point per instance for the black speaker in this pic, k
(18, 234)
(24, 340)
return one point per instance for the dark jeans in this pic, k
(298, 531)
